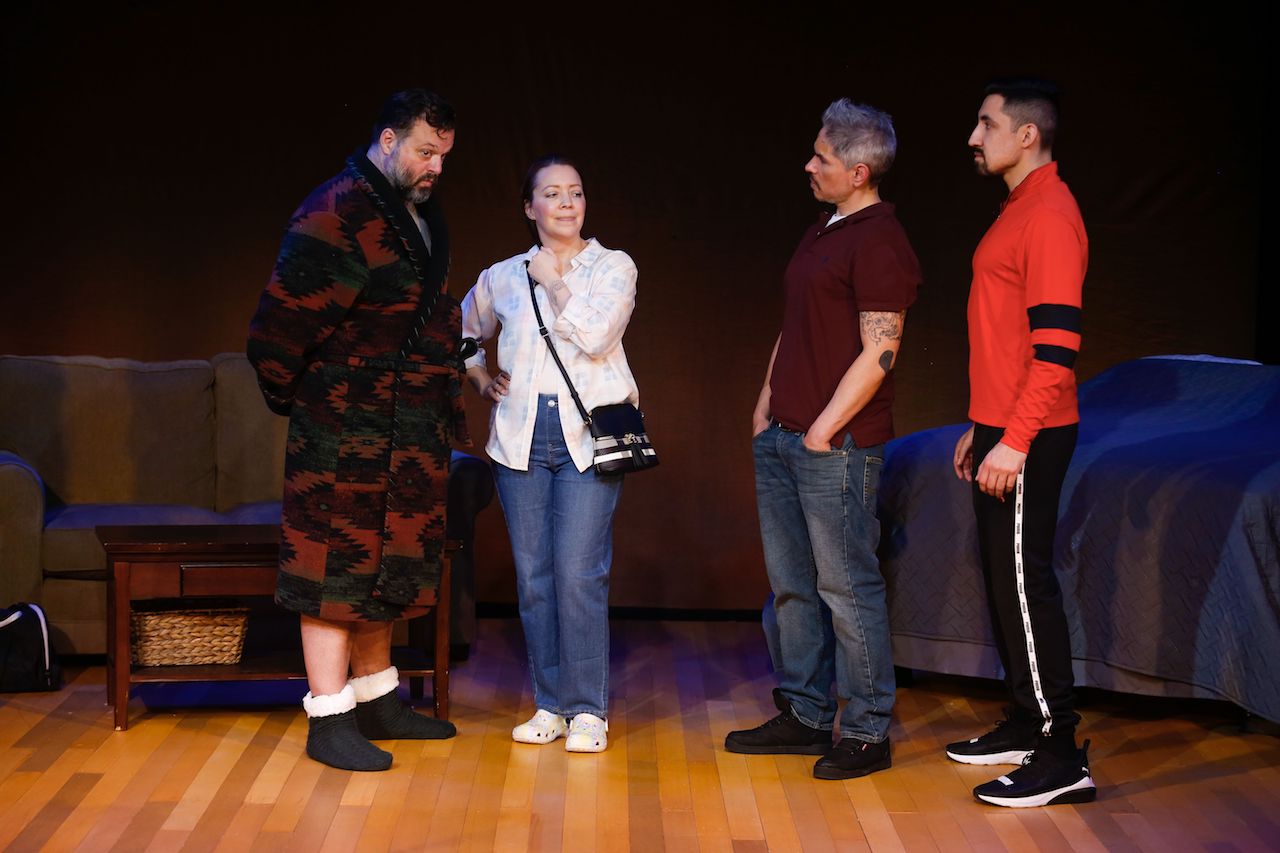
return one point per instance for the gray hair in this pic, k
(861, 134)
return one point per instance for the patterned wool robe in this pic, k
(372, 391)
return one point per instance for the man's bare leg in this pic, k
(326, 651)
(333, 737)
(371, 647)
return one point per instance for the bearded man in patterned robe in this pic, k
(357, 340)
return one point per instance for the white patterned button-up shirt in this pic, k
(587, 337)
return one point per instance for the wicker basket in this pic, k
(186, 637)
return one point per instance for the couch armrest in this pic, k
(21, 529)
(470, 490)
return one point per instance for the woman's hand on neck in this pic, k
(564, 248)
(547, 269)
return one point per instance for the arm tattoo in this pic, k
(880, 327)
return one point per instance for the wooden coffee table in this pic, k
(222, 561)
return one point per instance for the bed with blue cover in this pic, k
(1167, 544)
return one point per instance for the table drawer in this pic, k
(229, 578)
(153, 580)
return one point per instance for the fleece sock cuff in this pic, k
(330, 704)
(370, 687)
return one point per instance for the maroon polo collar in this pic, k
(873, 211)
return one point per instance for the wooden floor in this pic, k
(1172, 776)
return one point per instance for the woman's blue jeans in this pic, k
(561, 526)
(820, 532)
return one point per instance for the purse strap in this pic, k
(546, 336)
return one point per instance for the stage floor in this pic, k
(226, 774)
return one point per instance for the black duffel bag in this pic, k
(26, 660)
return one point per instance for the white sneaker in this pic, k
(587, 734)
(543, 727)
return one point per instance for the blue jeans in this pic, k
(561, 526)
(820, 532)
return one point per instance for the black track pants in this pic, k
(1015, 537)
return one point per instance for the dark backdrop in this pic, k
(154, 157)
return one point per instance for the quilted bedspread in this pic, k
(1167, 545)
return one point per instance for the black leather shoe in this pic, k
(851, 758)
(783, 735)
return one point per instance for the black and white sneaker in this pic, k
(1044, 779)
(1007, 743)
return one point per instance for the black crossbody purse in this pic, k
(621, 444)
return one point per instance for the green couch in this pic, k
(87, 441)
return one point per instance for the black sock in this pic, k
(336, 741)
(389, 718)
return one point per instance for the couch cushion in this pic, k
(259, 512)
(111, 430)
(250, 439)
(70, 544)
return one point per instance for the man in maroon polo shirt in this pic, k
(820, 426)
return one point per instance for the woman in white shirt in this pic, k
(559, 511)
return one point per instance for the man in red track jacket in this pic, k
(1024, 333)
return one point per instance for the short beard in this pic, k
(415, 195)
(981, 166)
(399, 178)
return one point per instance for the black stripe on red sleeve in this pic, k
(1064, 356)
(1051, 316)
